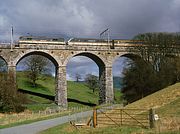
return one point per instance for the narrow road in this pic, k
(36, 127)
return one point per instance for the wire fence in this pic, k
(102, 117)
(11, 118)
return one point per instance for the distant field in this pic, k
(117, 82)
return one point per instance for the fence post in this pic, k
(94, 117)
(151, 118)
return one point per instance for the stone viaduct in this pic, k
(103, 53)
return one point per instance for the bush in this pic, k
(10, 99)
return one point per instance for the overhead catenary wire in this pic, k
(64, 32)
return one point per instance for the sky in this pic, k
(87, 18)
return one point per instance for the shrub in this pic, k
(10, 99)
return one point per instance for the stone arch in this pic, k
(104, 96)
(120, 63)
(122, 67)
(132, 56)
(23, 54)
(97, 59)
(100, 63)
(48, 55)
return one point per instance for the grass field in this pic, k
(68, 129)
(46, 85)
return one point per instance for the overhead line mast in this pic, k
(105, 31)
(12, 38)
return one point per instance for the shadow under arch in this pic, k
(122, 63)
(4, 64)
(101, 65)
(131, 56)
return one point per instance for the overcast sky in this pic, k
(87, 18)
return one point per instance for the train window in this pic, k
(29, 38)
(54, 39)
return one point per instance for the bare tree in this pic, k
(92, 81)
(157, 47)
(36, 65)
(78, 77)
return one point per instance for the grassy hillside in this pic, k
(81, 92)
(46, 85)
(166, 104)
(159, 98)
(171, 108)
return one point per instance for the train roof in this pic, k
(40, 38)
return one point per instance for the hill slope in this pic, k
(159, 98)
(46, 85)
